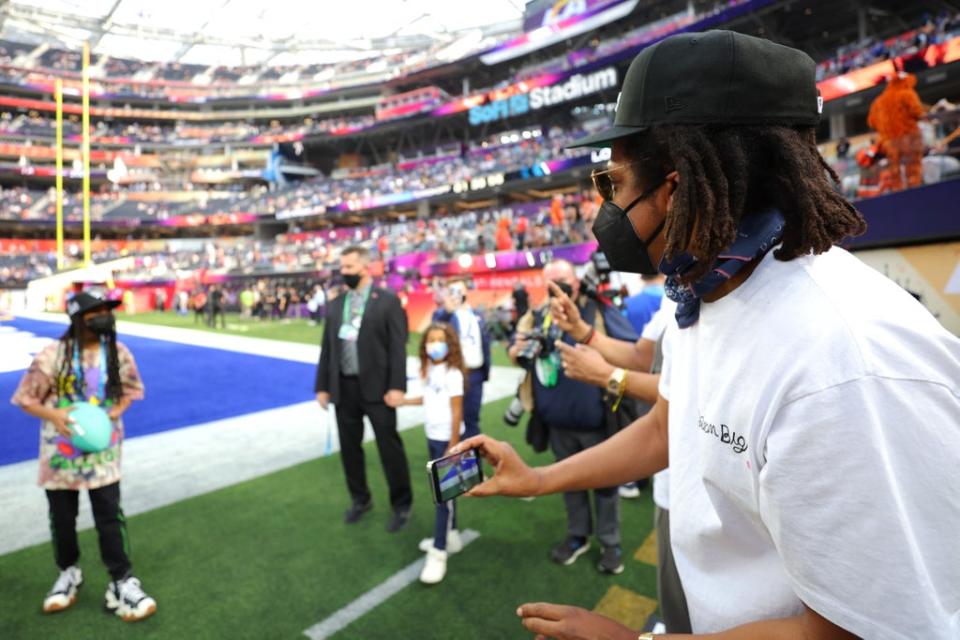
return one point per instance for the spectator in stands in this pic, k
(775, 433)
(363, 371)
(843, 148)
(474, 342)
(521, 231)
(894, 115)
(504, 239)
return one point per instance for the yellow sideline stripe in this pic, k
(647, 553)
(626, 607)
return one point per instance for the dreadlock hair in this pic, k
(70, 344)
(728, 172)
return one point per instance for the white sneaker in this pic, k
(629, 490)
(435, 566)
(127, 599)
(63, 593)
(454, 543)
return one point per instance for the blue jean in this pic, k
(446, 517)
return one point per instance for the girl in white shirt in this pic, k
(441, 372)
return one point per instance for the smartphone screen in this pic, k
(454, 475)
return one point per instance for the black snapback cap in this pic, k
(714, 77)
(89, 300)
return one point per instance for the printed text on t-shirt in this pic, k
(724, 434)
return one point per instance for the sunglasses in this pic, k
(602, 181)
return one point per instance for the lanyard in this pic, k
(347, 307)
(101, 382)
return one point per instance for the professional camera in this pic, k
(596, 280)
(540, 344)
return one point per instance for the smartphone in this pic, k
(454, 475)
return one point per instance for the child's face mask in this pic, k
(437, 350)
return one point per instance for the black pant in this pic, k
(111, 528)
(350, 412)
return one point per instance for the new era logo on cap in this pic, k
(673, 104)
(72, 307)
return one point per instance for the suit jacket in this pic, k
(381, 347)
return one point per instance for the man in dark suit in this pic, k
(362, 370)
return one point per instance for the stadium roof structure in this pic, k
(254, 32)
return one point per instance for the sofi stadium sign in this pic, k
(576, 87)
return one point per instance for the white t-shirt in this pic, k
(655, 327)
(815, 453)
(471, 342)
(658, 323)
(441, 384)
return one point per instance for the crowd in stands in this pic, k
(38, 129)
(326, 192)
(559, 221)
(909, 46)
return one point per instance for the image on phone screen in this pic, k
(454, 475)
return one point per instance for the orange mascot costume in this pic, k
(894, 115)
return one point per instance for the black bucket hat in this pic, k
(714, 77)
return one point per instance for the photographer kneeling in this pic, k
(574, 416)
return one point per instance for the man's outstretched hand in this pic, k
(562, 622)
(511, 475)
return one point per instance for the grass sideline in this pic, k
(295, 330)
(270, 557)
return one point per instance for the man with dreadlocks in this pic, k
(86, 364)
(809, 408)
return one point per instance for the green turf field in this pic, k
(270, 557)
(294, 330)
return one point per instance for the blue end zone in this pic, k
(185, 385)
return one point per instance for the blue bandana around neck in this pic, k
(757, 234)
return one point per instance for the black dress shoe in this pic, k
(356, 511)
(398, 519)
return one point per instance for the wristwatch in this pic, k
(646, 636)
(616, 381)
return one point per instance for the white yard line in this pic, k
(371, 599)
(199, 338)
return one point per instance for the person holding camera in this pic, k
(475, 346)
(570, 415)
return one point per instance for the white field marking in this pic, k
(167, 467)
(282, 349)
(396, 583)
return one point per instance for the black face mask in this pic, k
(352, 280)
(563, 286)
(618, 240)
(101, 325)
